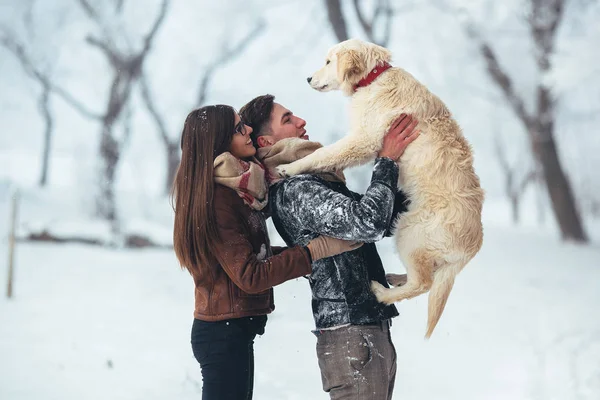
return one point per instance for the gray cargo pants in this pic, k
(357, 362)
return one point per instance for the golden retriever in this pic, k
(441, 231)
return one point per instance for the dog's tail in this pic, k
(443, 281)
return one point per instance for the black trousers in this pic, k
(225, 351)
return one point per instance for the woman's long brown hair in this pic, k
(207, 132)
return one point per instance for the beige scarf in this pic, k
(247, 178)
(289, 150)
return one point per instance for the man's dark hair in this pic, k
(257, 115)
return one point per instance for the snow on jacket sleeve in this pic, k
(327, 212)
(401, 203)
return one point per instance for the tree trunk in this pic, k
(336, 19)
(110, 148)
(559, 190)
(109, 152)
(541, 214)
(44, 105)
(514, 203)
(172, 165)
(557, 183)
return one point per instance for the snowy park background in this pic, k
(106, 314)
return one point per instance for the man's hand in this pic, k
(401, 134)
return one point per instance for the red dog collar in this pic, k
(375, 72)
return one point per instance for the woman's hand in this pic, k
(326, 246)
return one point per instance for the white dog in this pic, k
(442, 229)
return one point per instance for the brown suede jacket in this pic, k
(242, 284)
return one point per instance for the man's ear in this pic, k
(350, 66)
(265, 141)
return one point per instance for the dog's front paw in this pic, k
(396, 279)
(381, 292)
(287, 170)
(281, 171)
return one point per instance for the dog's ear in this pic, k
(376, 54)
(350, 65)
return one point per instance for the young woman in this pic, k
(220, 237)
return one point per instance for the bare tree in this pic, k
(230, 53)
(126, 70)
(382, 15)
(17, 47)
(544, 19)
(516, 178)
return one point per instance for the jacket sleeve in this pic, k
(401, 202)
(324, 211)
(241, 263)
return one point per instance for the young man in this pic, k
(354, 348)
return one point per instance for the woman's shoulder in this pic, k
(225, 196)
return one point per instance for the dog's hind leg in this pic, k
(347, 152)
(420, 267)
(396, 279)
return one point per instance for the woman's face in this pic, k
(241, 145)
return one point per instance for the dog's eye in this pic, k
(327, 62)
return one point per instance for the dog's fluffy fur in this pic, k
(442, 231)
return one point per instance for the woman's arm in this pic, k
(237, 257)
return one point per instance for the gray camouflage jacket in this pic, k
(305, 206)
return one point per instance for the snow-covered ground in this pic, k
(89, 322)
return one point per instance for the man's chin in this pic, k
(304, 137)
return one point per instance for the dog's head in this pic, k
(346, 64)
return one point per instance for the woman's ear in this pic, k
(350, 66)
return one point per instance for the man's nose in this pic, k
(309, 79)
(300, 123)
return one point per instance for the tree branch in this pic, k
(501, 155)
(112, 55)
(157, 23)
(73, 102)
(501, 78)
(387, 32)
(149, 103)
(383, 8)
(513, 188)
(543, 21)
(366, 26)
(529, 178)
(18, 50)
(90, 10)
(227, 56)
(93, 14)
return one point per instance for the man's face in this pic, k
(284, 124)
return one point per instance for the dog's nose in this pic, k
(309, 79)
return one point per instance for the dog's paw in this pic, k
(281, 171)
(396, 279)
(287, 170)
(381, 292)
